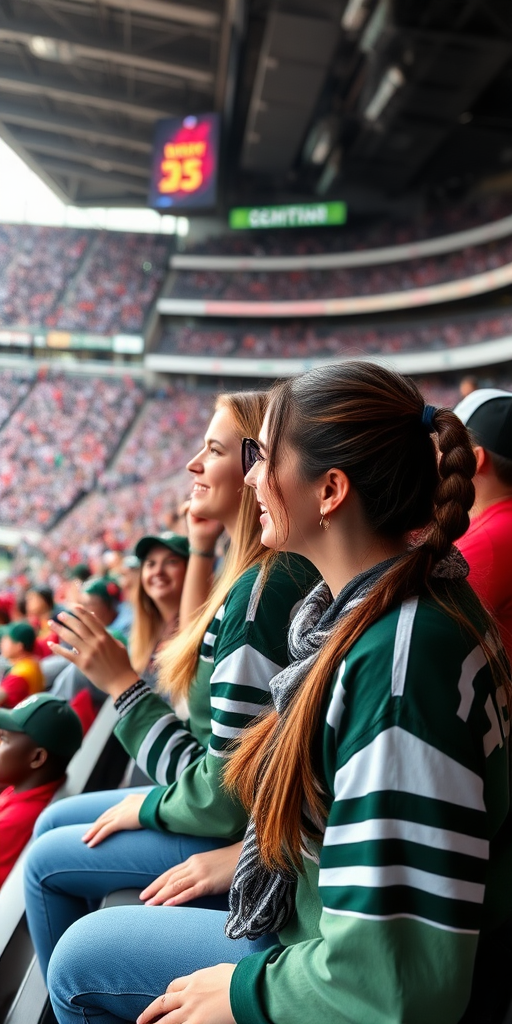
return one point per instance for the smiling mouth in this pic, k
(199, 489)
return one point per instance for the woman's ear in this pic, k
(334, 490)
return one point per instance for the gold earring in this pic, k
(324, 522)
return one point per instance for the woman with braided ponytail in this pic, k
(379, 784)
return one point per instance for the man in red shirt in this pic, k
(37, 741)
(487, 544)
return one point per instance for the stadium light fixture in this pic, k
(392, 80)
(51, 49)
(353, 16)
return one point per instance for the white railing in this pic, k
(487, 281)
(364, 258)
(464, 357)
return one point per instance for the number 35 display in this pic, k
(185, 159)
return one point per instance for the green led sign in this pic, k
(297, 215)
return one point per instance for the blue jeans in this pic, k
(64, 879)
(110, 965)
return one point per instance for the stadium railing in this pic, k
(99, 764)
(357, 258)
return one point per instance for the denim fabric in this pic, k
(64, 879)
(110, 965)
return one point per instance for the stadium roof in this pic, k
(371, 99)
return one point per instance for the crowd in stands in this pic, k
(58, 442)
(363, 712)
(303, 339)
(140, 492)
(288, 286)
(36, 265)
(14, 386)
(433, 222)
(71, 279)
(162, 440)
(119, 282)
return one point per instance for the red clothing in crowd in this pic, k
(18, 815)
(487, 548)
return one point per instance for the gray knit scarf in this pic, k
(260, 900)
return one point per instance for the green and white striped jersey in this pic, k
(243, 648)
(416, 771)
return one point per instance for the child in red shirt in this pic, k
(37, 740)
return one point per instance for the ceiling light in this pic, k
(51, 49)
(353, 15)
(376, 26)
(389, 84)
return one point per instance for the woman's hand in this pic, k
(203, 534)
(200, 998)
(95, 652)
(119, 818)
(203, 874)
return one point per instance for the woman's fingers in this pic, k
(73, 623)
(63, 651)
(89, 619)
(67, 634)
(166, 1004)
(170, 889)
(185, 895)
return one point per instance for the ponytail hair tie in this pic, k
(427, 417)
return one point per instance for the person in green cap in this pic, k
(25, 677)
(37, 740)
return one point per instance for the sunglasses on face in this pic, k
(251, 453)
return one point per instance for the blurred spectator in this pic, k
(38, 738)
(468, 385)
(25, 677)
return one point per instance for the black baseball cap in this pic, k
(174, 541)
(48, 720)
(487, 413)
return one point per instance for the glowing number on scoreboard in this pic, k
(182, 167)
(192, 174)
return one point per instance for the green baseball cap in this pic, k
(174, 541)
(22, 633)
(104, 587)
(48, 720)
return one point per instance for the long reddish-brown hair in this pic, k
(366, 420)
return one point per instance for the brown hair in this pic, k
(177, 661)
(366, 420)
(148, 626)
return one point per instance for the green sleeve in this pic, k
(156, 738)
(251, 648)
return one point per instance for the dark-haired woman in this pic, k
(379, 786)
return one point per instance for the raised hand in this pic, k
(94, 651)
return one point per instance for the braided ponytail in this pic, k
(455, 493)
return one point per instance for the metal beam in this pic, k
(90, 174)
(57, 90)
(13, 115)
(183, 14)
(23, 33)
(11, 141)
(105, 161)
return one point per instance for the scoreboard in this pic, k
(185, 163)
